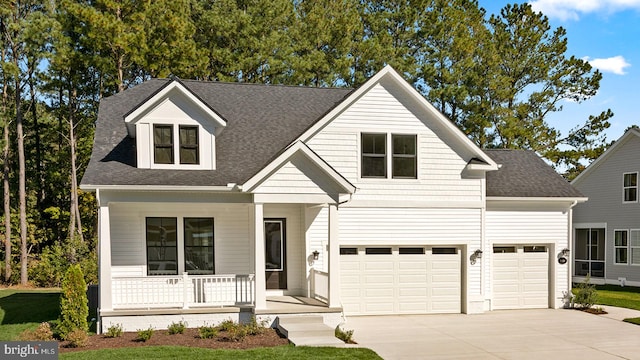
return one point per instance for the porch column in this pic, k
(104, 257)
(334, 258)
(260, 277)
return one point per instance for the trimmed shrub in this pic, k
(177, 328)
(114, 331)
(144, 335)
(586, 294)
(344, 335)
(42, 332)
(207, 332)
(73, 304)
(255, 328)
(77, 338)
(227, 325)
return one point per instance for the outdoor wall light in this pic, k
(315, 254)
(475, 256)
(565, 252)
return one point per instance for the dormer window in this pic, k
(189, 145)
(163, 144)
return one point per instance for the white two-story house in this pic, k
(219, 200)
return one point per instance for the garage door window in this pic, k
(533, 249)
(444, 251)
(411, 251)
(348, 251)
(504, 249)
(378, 251)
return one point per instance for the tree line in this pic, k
(496, 76)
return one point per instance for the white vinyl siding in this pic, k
(414, 226)
(550, 228)
(317, 234)
(439, 166)
(232, 241)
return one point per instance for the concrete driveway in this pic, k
(508, 334)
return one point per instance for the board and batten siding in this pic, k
(384, 110)
(603, 186)
(128, 240)
(415, 227)
(531, 227)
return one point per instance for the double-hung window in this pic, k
(170, 248)
(189, 145)
(163, 144)
(634, 247)
(375, 162)
(621, 243)
(630, 187)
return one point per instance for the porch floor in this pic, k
(295, 305)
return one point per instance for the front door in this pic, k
(275, 253)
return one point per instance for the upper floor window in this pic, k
(630, 187)
(189, 145)
(402, 164)
(163, 144)
(404, 156)
(374, 155)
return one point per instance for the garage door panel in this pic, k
(401, 283)
(520, 279)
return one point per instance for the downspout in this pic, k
(569, 246)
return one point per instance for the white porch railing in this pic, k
(320, 285)
(182, 291)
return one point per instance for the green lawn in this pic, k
(26, 309)
(614, 295)
(180, 352)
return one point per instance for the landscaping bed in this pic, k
(190, 338)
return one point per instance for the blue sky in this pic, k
(607, 34)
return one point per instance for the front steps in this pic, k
(308, 331)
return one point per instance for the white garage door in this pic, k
(520, 277)
(400, 280)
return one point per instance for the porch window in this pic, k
(163, 144)
(589, 252)
(189, 145)
(198, 246)
(162, 246)
(621, 242)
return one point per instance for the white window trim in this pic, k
(590, 226)
(632, 247)
(629, 187)
(615, 247)
(388, 157)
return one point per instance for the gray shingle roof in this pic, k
(525, 174)
(261, 122)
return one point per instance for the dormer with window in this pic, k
(175, 129)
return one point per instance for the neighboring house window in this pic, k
(163, 144)
(630, 187)
(189, 145)
(621, 243)
(589, 252)
(635, 246)
(198, 245)
(374, 155)
(162, 246)
(404, 156)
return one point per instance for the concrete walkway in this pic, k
(508, 334)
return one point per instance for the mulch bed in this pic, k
(189, 338)
(595, 311)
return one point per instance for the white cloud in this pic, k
(572, 9)
(615, 64)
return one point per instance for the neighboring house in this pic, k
(607, 227)
(218, 199)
